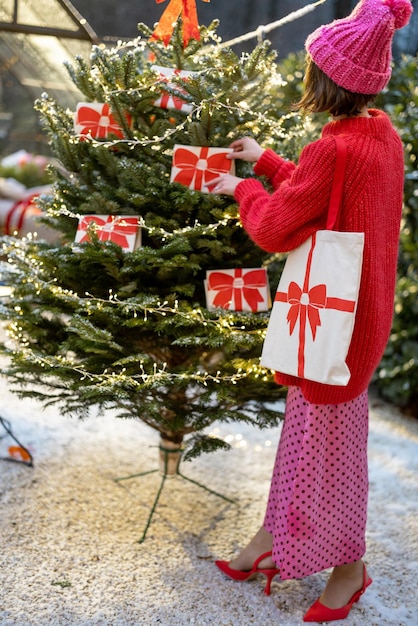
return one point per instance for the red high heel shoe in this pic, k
(321, 613)
(236, 574)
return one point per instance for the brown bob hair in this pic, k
(322, 94)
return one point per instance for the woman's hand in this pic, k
(224, 184)
(246, 149)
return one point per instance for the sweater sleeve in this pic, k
(274, 167)
(283, 220)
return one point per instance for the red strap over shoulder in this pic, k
(337, 183)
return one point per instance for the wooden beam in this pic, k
(83, 32)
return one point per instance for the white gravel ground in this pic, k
(69, 533)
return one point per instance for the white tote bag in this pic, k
(312, 318)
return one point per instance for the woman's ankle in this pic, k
(263, 540)
(352, 571)
(343, 582)
(261, 543)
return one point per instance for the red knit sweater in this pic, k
(372, 203)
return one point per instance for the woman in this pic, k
(317, 507)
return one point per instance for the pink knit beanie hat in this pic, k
(356, 52)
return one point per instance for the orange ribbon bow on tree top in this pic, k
(185, 8)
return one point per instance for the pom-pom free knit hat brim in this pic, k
(356, 52)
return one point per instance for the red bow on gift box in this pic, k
(116, 229)
(98, 123)
(235, 287)
(199, 168)
(185, 8)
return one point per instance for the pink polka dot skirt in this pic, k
(317, 507)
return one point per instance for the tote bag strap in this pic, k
(337, 183)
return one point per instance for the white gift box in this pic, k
(168, 100)
(96, 120)
(238, 289)
(196, 166)
(121, 229)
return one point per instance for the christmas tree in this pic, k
(93, 322)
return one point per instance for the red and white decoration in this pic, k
(95, 119)
(196, 166)
(313, 314)
(121, 229)
(20, 213)
(21, 158)
(168, 100)
(238, 290)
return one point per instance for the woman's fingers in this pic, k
(246, 149)
(224, 184)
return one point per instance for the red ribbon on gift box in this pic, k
(185, 8)
(305, 305)
(165, 96)
(20, 209)
(98, 124)
(235, 287)
(113, 228)
(198, 168)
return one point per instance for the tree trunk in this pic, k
(169, 456)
